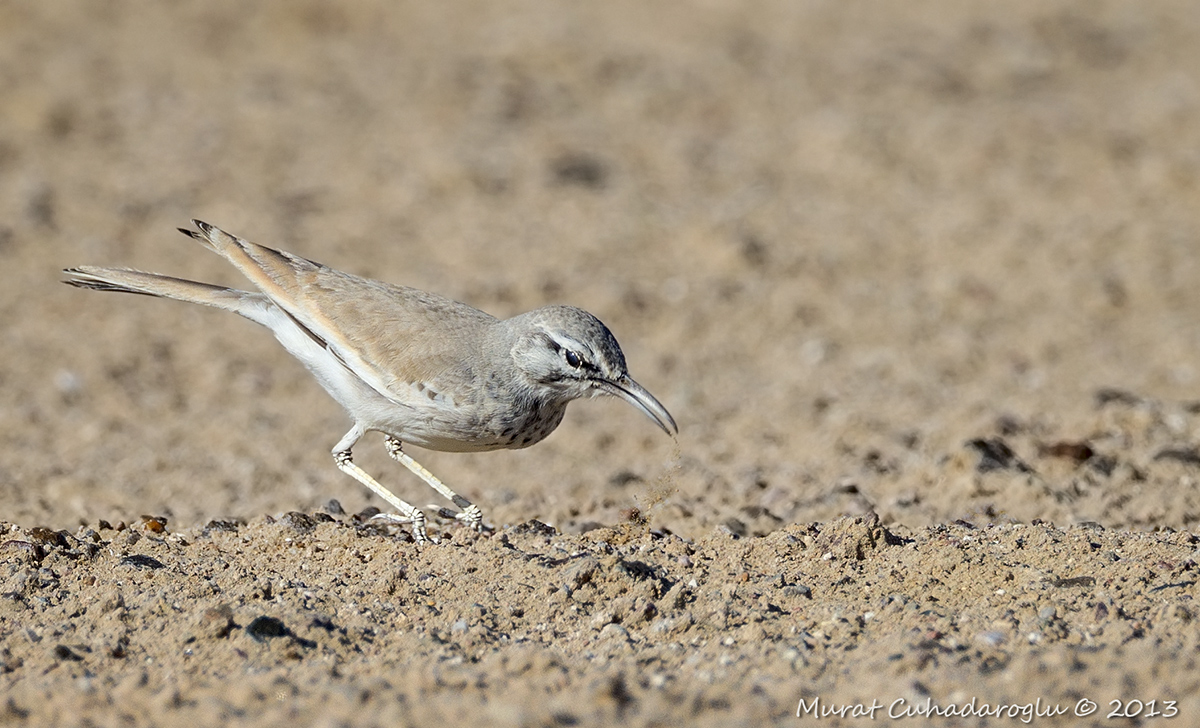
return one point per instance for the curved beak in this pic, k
(636, 395)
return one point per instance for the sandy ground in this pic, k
(919, 282)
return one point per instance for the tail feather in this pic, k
(127, 280)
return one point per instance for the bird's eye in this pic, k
(573, 359)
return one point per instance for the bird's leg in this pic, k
(410, 514)
(470, 513)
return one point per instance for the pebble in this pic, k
(991, 638)
(264, 628)
(142, 561)
(581, 572)
(612, 630)
(601, 619)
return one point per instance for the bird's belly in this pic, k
(467, 428)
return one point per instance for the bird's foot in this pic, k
(417, 519)
(471, 516)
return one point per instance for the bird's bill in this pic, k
(636, 395)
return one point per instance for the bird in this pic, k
(420, 368)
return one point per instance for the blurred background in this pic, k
(838, 240)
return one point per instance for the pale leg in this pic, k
(469, 514)
(341, 456)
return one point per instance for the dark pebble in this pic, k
(49, 537)
(735, 527)
(532, 527)
(264, 628)
(1075, 581)
(299, 522)
(142, 561)
(63, 652)
(1109, 395)
(995, 454)
(366, 514)
(799, 590)
(582, 170)
(1185, 455)
(223, 524)
(1078, 451)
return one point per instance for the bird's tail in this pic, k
(125, 280)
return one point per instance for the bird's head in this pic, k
(570, 352)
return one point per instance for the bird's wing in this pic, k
(392, 337)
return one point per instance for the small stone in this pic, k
(533, 527)
(992, 638)
(579, 169)
(601, 619)
(223, 524)
(264, 628)
(366, 514)
(734, 527)
(62, 652)
(217, 622)
(26, 550)
(154, 524)
(995, 454)
(48, 537)
(1074, 581)
(612, 630)
(797, 590)
(299, 522)
(582, 571)
(142, 561)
